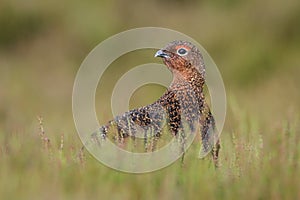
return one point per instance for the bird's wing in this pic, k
(209, 133)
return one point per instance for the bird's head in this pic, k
(182, 57)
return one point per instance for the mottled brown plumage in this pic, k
(183, 102)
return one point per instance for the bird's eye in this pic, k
(182, 51)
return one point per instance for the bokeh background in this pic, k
(255, 44)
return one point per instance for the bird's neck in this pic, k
(189, 83)
(191, 77)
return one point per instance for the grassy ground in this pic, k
(257, 162)
(255, 46)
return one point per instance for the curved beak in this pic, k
(161, 53)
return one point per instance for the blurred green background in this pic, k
(255, 44)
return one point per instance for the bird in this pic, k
(182, 102)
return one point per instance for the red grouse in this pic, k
(183, 104)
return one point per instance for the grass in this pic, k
(254, 165)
